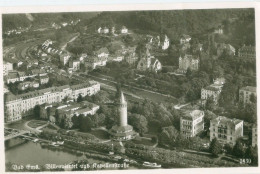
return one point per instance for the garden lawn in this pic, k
(36, 123)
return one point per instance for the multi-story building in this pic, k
(12, 77)
(226, 130)
(64, 58)
(43, 79)
(254, 135)
(7, 67)
(245, 94)
(188, 61)
(213, 91)
(84, 108)
(247, 52)
(74, 65)
(93, 62)
(17, 105)
(191, 123)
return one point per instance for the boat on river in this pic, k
(153, 165)
(35, 140)
(54, 144)
(60, 142)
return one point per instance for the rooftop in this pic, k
(213, 87)
(226, 121)
(249, 88)
(193, 114)
(46, 90)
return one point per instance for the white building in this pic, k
(64, 58)
(166, 43)
(75, 65)
(106, 30)
(192, 123)
(226, 130)
(84, 108)
(18, 105)
(124, 30)
(218, 31)
(7, 67)
(188, 61)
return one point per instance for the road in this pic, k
(130, 86)
(180, 106)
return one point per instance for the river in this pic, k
(33, 153)
(20, 152)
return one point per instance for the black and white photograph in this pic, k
(129, 89)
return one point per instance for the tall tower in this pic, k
(122, 109)
(122, 131)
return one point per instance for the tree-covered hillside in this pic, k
(14, 21)
(177, 22)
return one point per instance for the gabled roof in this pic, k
(193, 115)
(185, 36)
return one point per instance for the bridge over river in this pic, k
(12, 133)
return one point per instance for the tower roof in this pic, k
(122, 98)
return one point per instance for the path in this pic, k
(180, 106)
(71, 40)
(29, 128)
(42, 126)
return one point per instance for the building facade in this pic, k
(212, 91)
(188, 61)
(7, 67)
(18, 105)
(254, 135)
(226, 130)
(192, 123)
(245, 94)
(149, 63)
(247, 52)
